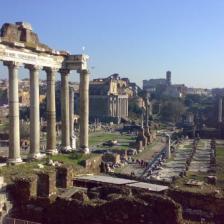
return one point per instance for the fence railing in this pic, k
(17, 221)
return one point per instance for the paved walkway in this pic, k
(146, 155)
(201, 158)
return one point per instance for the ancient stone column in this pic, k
(147, 114)
(65, 143)
(118, 108)
(14, 131)
(51, 112)
(71, 119)
(115, 106)
(112, 105)
(220, 110)
(127, 107)
(168, 153)
(84, 111)
(34, 112)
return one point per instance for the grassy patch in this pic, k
(29, 168)
(187, 146)
(21, 170)
(220, 165)
(73, 158)
(96, 139)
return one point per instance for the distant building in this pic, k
(177, 90)
(24, 98)
(199, 91)
(108, 99)
(152, 85)
(4, 113)
(164, 87)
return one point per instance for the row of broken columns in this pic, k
(14, 126)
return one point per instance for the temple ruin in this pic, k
(20, 46)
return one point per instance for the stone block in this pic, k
(46, 184)
(93, 163)
(139, 145)
(111, 158)
(25, 188)
(212, 180)
(64, 177)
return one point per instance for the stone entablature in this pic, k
(26, 56)
(20, 44)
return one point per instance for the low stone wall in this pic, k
(23, 189)
(121, 152)
(93, 164)
(110, 205)
(199, 201)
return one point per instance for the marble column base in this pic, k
(37, 156)
(52, 152)
(73, 143)
(85, 150)
(66, 149)
(14, 161)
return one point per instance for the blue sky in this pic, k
(139, 39)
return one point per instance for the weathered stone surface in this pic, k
(111, 158)
(64, 177)
(200, 201)
(93, 163)
(21, 32)
(46, 184)
(119, 209)
(24, 188)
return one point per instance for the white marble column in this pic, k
(51, 111)
(14, 127)
(65, 131)
(127, 106)
(84, 111)
(147, 115)
(71, 119)
(168, 153)
(118, 114)
(118, 107)
(34, 112)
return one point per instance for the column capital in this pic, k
(83, 72)
(33, 67)
(64, 71)
(50, 69)
(12, 64)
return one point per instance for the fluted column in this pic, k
(65, 110)
(51, 112)
(14, 131)
(34, 112)
(84, 111)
